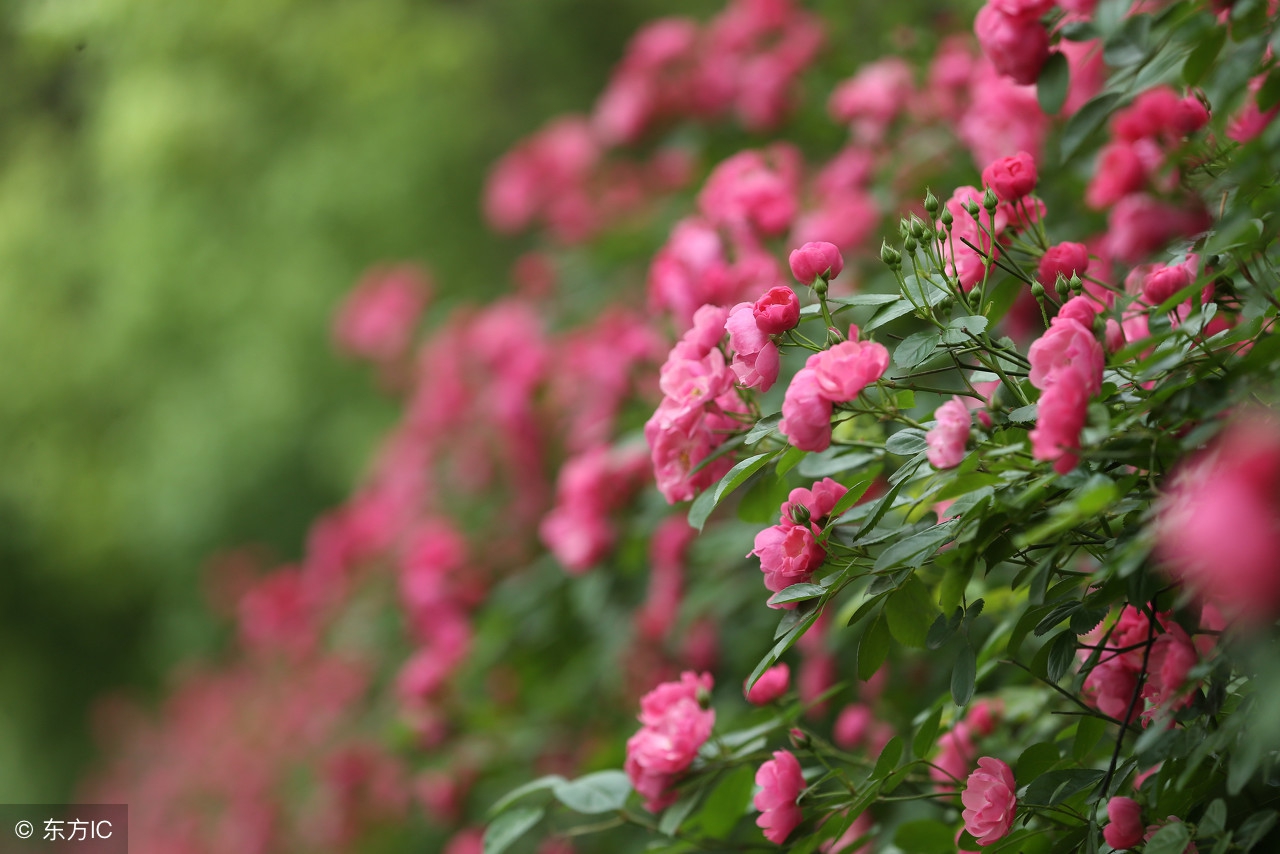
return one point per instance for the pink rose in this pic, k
(851, 726)
(946, 441)
(1062, 259)
(788, 555)
(806, 412)
(1120, 170)
(1061, 414)
(1172, 657)
(674, 727)
(1110, 686)
(955, 757)
(771, 685)
(777, 311)
(377, 320)
(1081, 309)
(1011, 177)
(755, 356)
(1164, 280)
(989, 802)
(1218, 526)
(1125, 829)
(1067, 347)
(1017, 45)
(819, 500)
(781, 782)
(842, 372)
(815, 261)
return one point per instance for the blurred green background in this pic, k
(186, 191)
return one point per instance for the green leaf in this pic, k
(909, 611)
(1202, 56)
(1062, 654)
(1256, 827)
(915, 348)
(783, 644)
(963, 675)
(1024, 414)
(727, 802)
(1055, 787)
(1051, 86)
(735, 477)
(763, 428)
(888, 313)
(603, 791)
(941, 630)
(547, 782)
(922, 744)
(906, 442)
(888, 760)
(1170, 839)
(873, 648)
(1036, 760)
(797, 593)
(508, 827)
(673, 816)
(865, 299)
(913, 550)
(958, 330)
(855, 493)
(1087, 119)
(1214, 820)
(925, 836)
(759, 504)
(1269, 95)
(789, 459)
(1089, 732)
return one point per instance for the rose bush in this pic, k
(1013, 497)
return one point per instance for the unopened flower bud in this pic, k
(989, 200)
(704, 697)
(904, 227)
(931, 203)
(1037, 291)
(890, 256)
(818, 260)
(946, 218)
(975, 299)
(1062, 287)
(800, 514)
(799, 738)
(971, 207)
(1077, 287)
(910, 245)
(820, 287)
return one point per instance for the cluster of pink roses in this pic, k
(1066, 365)
(832, 376)
(789, 552)
(591, 486)
(674, 726)
(744, 60)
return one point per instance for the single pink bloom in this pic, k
(806, 412)
(946, 441)
(771, 685)
(1063, 259)
(377, 320)
(788, 555)
(777, 311)
(983, 716)
(1125, 829)
(1061, 414)
(1011, 177)
(781, 782)
(1081, 309)
(814, 261)
(1165, 280)
(1017, 45)
(1110, 687)
(1218, 525)
(1172, 657)
(955, 757)
(852, 725)
(1067, 347)
(756, 360)
(819, 500)
(842, 372)
(989, 801)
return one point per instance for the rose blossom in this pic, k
(814, 261)
(1172, 657)
(1165, 280)
(946, 441)
(780, 782)
(1017, 45)
(989, 802)
(1125, 829)
(777, 311)
(819, 500)
(955, 752)
(755, 356)
(842, 372)
(806, 412)
(1064, 259)
(771, 685)
(1218, 526)
(674, 726)
(1011, 178)
(788, 555)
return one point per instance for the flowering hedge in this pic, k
(1007, 469)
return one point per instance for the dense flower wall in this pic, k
(909, 484)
